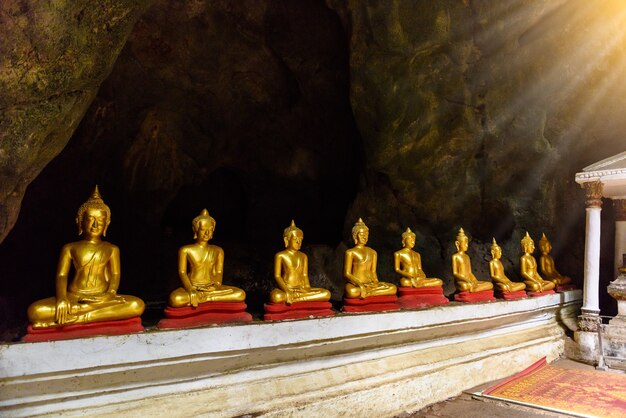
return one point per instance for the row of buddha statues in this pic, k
(89, 304)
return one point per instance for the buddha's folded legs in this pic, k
(377, 289)
(510, 286)
(180, 297)
(42, 313)
(313, 294)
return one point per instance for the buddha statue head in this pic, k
(293, 236)
(528, 245)
(462, 241)
(203, 226)
(360, 232)
(93, 216)
(544, 244)
(408, 238)
(496, 250)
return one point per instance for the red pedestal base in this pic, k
(537, 294)
(297, 310)
(208, 313)
(565, 287)
(371, 304)
(67, 332)
(421, 297)
(474, 297)
(520, 294)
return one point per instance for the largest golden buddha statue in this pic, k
(92, 294)
(360, 268)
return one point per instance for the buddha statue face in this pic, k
(408, 239)
(528, 245)
(293, 241)
(360, 232)
(293, 236)
(462, 244)
(94, 222)
(204, 230)
(203, 226)
(496, 252)
(93, 217)
(544, 245)
(361, 236)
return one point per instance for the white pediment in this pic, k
(611, 172)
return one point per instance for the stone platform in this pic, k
(380, 364)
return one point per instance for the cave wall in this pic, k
(477, 114)
(239, 107)
(432, 115)
(53, 57)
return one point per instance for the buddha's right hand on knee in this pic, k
(62, 310)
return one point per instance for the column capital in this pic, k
(593, 194)
(588, 321)
(620, 209)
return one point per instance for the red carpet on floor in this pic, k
(581, 392)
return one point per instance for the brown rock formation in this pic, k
(53, 57)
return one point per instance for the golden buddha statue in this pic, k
(546, 262)
(462, 268)
(408, 264)
(528, 268)
(291, 272)
(360, 268)
(92, 294)
(496, 271)
(203, 282)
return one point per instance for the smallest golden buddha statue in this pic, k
(203, 299)
(546, 262)
(359, 271)
(535, 284)
(295, 298)
(408, 264)
(510, 290)
(469, 288)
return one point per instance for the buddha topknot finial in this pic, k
(461, 234)
(407, 234)
(204, 216)
(358, 226)
(527, 240)
(291, 229)
(544, 239)
(494, 244)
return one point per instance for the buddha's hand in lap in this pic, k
(105, 297)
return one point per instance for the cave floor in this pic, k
(468, 406)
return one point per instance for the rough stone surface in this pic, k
(478, 114)
(53, 57)
(239, 107)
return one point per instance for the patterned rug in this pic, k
(585, 393)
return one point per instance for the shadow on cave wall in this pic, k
(241, 108)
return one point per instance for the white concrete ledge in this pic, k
(387, 363)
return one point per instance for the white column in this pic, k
(590, 311)
(620, 233)
(592, 261)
